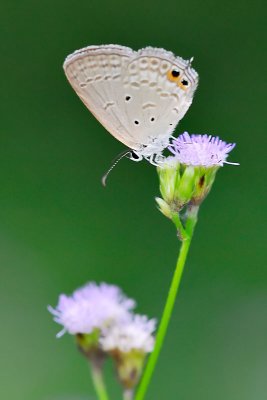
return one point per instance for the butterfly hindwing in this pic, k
(133, 94)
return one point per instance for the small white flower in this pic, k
(91, 307)
(134, 334)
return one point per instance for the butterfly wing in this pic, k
(157, 101)
(132, 94)
(95, 73)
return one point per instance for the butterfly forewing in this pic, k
(96, 76)
(131, 93)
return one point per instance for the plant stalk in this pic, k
(128, 394)
(98, 381)
(167, 312)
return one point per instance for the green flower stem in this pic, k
(98, 382)
(189, 228)
(179, 226)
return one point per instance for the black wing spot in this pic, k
(127, 98)
(152, 119)
(136, 122)
(175, 73)
(184, 82)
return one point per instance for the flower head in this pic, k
(187, 176)
(200, 150)
(91, 307)
(136, 333)
(102, 320)
(128, 344)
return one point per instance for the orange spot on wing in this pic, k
(175, 79)
(181, 85)
(171, 77)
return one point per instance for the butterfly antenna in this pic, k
(114, 163)
(190, 62)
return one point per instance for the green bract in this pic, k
(88, 343)
(182, 184)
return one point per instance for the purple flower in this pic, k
(91, 307)
(200, 150)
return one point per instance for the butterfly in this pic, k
(138, 96)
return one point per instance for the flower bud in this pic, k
(177, 183)
(205, 178)
(164, 207)
(129, 366)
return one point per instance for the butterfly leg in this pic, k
(135, 156)
(156, 159)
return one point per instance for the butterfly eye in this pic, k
(134, 156)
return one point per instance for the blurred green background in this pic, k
(60, 228)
